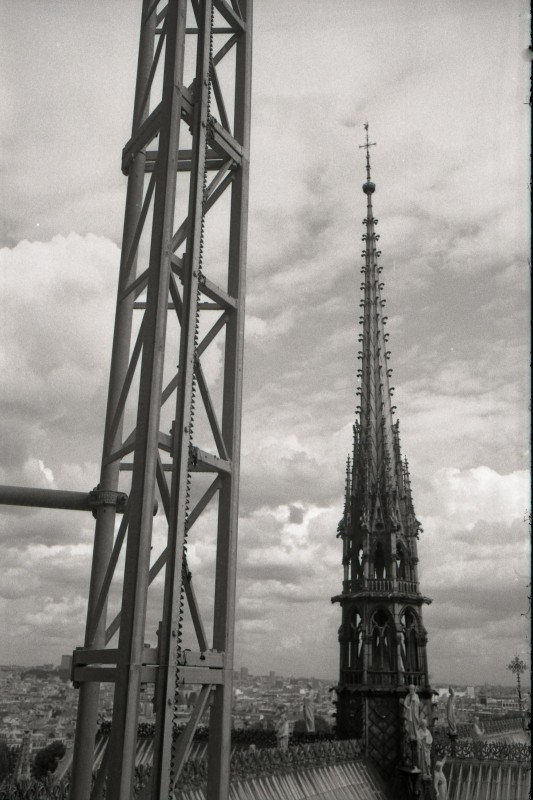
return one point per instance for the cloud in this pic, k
(296, 515)
(55, 351)
(22, 527)
(58, 173)
(42, 599)
(454, 242)
(474, 556)
(468, 497)
(37, 474)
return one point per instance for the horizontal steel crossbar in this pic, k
(213, 161)
(103, 665)
(59, 498)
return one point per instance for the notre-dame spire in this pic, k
(377, 471)
(382, 637)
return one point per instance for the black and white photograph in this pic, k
(265, 407)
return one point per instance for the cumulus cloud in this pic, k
(55, 338)
(61, 168)
(468, 497)
(474, 555)
(37, 474)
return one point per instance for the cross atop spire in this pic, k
(367, 145)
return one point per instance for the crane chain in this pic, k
(179, 627)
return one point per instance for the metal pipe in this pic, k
(123, 736)
(55, 498)
(219, 745)
(162, 782)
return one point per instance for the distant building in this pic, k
(502, 705)
(244, 673)
(65, 667)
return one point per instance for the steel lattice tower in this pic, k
(172, 282)
(382, 637)
(180, 303)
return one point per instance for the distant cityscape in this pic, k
(40, 702)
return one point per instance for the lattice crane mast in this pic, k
(180, 303)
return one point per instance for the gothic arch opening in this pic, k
(382, 649)
(401, 562)
(356, 641)
(410, 642)
(380, 562)
(358, 564)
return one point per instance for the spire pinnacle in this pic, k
(367, 187)
(378, 452)
(347, 487)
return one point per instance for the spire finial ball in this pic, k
(369, 187)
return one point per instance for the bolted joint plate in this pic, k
(106, 497)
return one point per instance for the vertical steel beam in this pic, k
(226, 559)
(136, 572)
(83, 755)
(165, 769)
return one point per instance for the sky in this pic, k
(445, 90)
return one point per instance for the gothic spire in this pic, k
(382, 636)
(378, 469)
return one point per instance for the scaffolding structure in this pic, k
(172, 431)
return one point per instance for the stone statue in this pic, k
(439, 781)
(424, 742)
(477, 738)
(477, 730)
(411, 712)
(282, 728)
(309, 709)
(450, 713)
